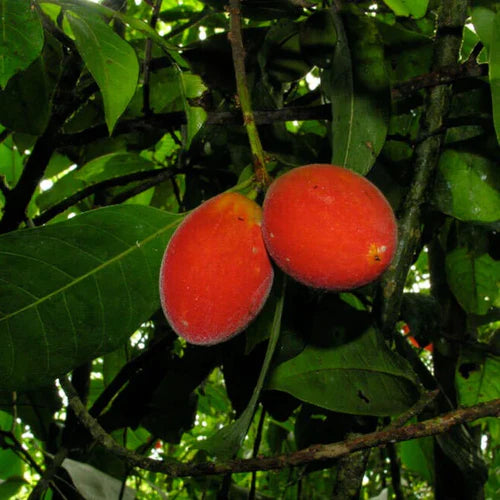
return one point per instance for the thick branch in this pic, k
(316, 453)
(16, 202)
(452, 14)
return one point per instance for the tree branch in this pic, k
(165, 121)
(315, 453)
(16, 202)
(60, 207)
(18, 449)
(49, 474)
(235, 37)
(441, 76)
(452, 13)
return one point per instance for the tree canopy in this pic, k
(120, 117)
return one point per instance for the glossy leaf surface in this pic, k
(494, 72)
(473, 280)
(110, 59)
(350, 377)
(21, 37)
(359, 92)
(468, 187)
(75, 290)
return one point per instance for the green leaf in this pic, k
(35, 408)
(468, 187)
(263, 9)
(473, 280)
(354, 377)
(196, 117)
(414, 8)
(11, 465)
(483, 20)
(101, 169)
(111, 61)
(359, 92)
(12, 485)
(494, 73)
(92, 483)
(26, 102)
(281, 54)
(11, 162)
(72, 291)
(418, 456)
(227, 441)
(91, 9)
(318, 37)
(478, 380)
(112, 363)
(21, 38)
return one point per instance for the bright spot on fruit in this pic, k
(46, 184)
(375, 253)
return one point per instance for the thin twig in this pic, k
(194, 19)
(68, 202)
(395, 471)
(48, 475)
(134, 191)
(146, 108)
(316, 453)
(235, 37)
(255, 452)
(21, 452)
(415, 410)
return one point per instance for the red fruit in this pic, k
(216, 274)
(328, 227)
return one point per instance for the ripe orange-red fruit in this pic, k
(216, 274)
(328, 227)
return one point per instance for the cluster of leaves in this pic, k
(118, 117)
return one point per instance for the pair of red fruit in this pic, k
(325, 226)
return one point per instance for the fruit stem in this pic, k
(262, 178)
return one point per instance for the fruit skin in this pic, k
(216, 274)
(328, 227)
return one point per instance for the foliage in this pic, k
(117, 118)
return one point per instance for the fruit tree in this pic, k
(249, 249)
